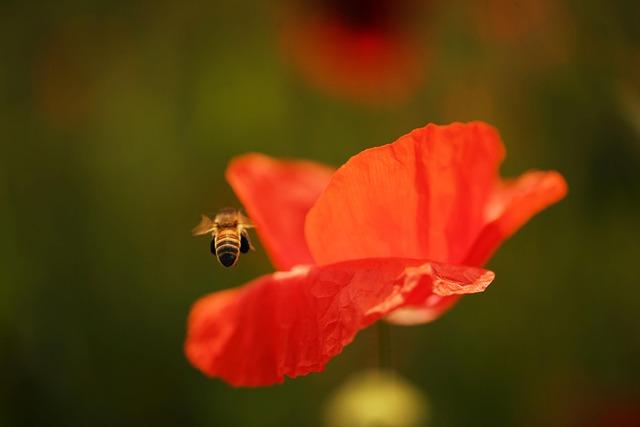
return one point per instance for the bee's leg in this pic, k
(245, 243)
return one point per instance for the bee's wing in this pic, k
(244, 221)
(205, 226)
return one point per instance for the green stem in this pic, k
(384, 346)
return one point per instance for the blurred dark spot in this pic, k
(367, 15)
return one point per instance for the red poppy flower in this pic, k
(363, 50)
(399, 230)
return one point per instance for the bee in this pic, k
(229, 232)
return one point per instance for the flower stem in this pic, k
(384, 346)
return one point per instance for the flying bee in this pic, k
(229, 232)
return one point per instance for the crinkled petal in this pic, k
(293, 323)
(421, 197)
(511, 206)
(277, 195)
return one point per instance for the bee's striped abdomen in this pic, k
(227, 246)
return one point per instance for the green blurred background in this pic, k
(117, 120)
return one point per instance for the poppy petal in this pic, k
(277, 195)
(513, 203)
(292, 323)
(511, 206)
(421, 197)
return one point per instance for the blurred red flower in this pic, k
(399, 231)
(613, 411)
(367, 51)
(543, 30)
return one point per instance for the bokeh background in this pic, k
(117, 120)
